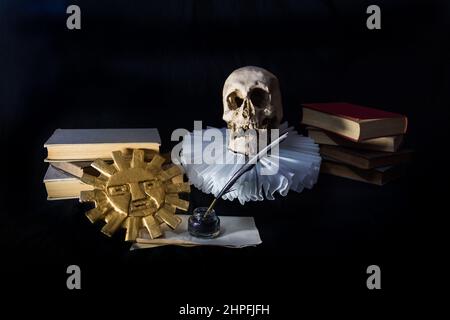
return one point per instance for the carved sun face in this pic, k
(135, 194)
(135, 191)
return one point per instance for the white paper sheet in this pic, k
(236, 232)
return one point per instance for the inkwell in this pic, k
(204, 222)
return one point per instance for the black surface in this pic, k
(163, 65)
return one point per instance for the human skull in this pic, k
(252, 103)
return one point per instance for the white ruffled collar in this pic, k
(298, 168)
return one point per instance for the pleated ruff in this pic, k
(298, 168)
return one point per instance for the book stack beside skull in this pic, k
(356, 142)
(70, 153)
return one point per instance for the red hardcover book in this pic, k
(354, 122)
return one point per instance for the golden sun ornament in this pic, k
(135, 194)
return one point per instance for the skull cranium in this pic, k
(252, 102)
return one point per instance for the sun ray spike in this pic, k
(178, 179)
(88, 196)
(168, 217)
(171, 172)
(103, 167)
(170, 208)
(137, 159)
(178, 203)
(133, 224)
(93, 181)
(157, 162)
(152, 226)
(119, 160)
(179, 187)
(114, 222)
(102, 202)
(97, 196)
(159, 220)
(95, 214)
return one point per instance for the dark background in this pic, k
(162, 64)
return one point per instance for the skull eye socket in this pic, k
(234, 100)
(259, 97)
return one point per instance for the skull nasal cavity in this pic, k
(259, 97)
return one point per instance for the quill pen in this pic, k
(245, 167)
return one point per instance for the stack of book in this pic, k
(70, 153)
(357, 142)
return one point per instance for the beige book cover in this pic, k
(61, 185)
(91, 144)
